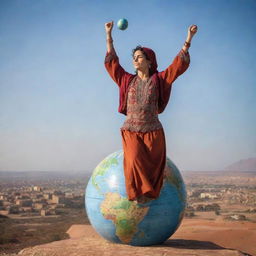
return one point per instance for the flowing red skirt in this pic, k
(144, 162)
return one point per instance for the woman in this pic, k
(141, 98)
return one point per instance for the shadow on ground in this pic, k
(194, 244)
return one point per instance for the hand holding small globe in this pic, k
(122, 24)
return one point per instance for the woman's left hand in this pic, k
(192, 30)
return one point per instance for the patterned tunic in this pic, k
(142, 106)
(163, 79)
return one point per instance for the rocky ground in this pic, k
(194, 237)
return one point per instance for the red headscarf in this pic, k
(152, 57)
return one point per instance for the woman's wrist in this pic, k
(109, 39)
(189, 38)
(187, 44)
(109, 34)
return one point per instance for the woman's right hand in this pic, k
(192, 30)
(109, 26)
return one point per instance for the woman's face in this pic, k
(140, 61)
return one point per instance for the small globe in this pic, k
(122, 24)
(119, 220)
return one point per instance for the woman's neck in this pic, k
(143, 75)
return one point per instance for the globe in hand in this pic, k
(122, 24)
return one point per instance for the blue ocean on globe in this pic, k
(122, 24)
(119, 220)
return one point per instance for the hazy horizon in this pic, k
(58, 105)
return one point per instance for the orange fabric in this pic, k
(144, 162)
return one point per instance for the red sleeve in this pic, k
(115, 70)
(178, 67)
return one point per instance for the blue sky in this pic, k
(58, 106)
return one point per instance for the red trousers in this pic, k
(144, 162)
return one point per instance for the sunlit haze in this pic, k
(58, 105)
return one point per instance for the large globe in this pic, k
(119, 220)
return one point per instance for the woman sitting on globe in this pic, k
(142, 96)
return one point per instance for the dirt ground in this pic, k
(194, 237)
(240, 235)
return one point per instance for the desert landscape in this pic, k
(41, 217)
(194, 237)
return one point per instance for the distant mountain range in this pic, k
(243, 165)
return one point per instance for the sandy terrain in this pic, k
(227, 234)
(194, 237)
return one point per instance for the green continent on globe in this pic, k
(102, 168)
(174, 178)
(125, 214)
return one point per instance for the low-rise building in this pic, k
(24, 202)
(4, 212)
(39, 206)
(37, 188)
(209, 196)
(56, 199)
(13, 209)
(47, 196)
(45, 212)
(3, 197)
(27, 209)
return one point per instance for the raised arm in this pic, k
(191, 32)
(108, 28)
(115, 70)
(180, 62)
